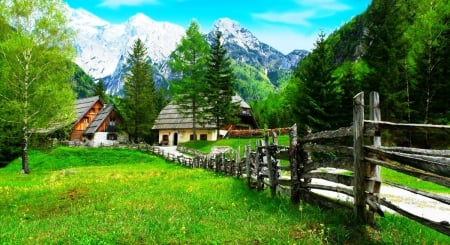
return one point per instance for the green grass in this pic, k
(235, 143)
(106, 196)
(410, 181)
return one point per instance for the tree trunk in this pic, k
(25, 166)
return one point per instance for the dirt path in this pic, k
(413, 203)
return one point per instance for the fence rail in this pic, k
(314, 161)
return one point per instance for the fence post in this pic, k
(259, 182)
(247, 164)
(272, 181)
(359, 166)
(295, 181)
(374, 170)
(238, 162)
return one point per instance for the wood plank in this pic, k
(337, 178)
(411, 160)
(360, 167)
(339, 162)
(331, 134)
(328, 148)
(440, 156)
(443, 226)
(413, 172)
(418, 151)
(294, 164)
(426, 128)
(337, 189)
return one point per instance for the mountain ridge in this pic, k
(102, 47)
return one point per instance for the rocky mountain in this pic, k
(102, 47)
(244, 47)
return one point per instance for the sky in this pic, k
(284, 24)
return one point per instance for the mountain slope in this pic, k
(102, 47)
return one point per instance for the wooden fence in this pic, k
(344, 161)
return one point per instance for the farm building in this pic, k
(174, 127)
(96, 123)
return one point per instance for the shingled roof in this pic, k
(82, 106)
(171, 118)
(99, 119)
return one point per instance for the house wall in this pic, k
(184, 135)
(101, 139)
(84, 122)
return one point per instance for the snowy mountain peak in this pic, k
(233, 32)
(81, 16)
(102, 47)
(140, 19)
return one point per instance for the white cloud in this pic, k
(295, 18)
(118, 3)
(335, 5)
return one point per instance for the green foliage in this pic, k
(273, 111)
(189, 63)
(219, 79)
(251, 84)
(82, 84)
(398, 48)
(319, 96)
(34, 82)
(99, 90)
(138, 105)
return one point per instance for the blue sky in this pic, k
(284, 24)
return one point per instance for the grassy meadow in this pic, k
(112, 196)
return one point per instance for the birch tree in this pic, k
(36, 52)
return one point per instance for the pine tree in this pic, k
(189, 62)
(35, 92)
(99, 90)
(138, 102)
(318, 102)
(219, 79)
(385, 55)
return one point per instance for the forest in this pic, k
(399, 48)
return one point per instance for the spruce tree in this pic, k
(189, 64)
(219, 79)
(318, 102)
(385, 55)
(99, 90)
(138, 102)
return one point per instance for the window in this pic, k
(111, 137)
(203, 137)
(86, 119)
(191, 137)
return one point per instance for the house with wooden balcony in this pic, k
(96, 123)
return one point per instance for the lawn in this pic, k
(111, 196)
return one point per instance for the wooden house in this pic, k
(174, 127)
(96, 123)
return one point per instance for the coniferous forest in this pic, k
(398, 48)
